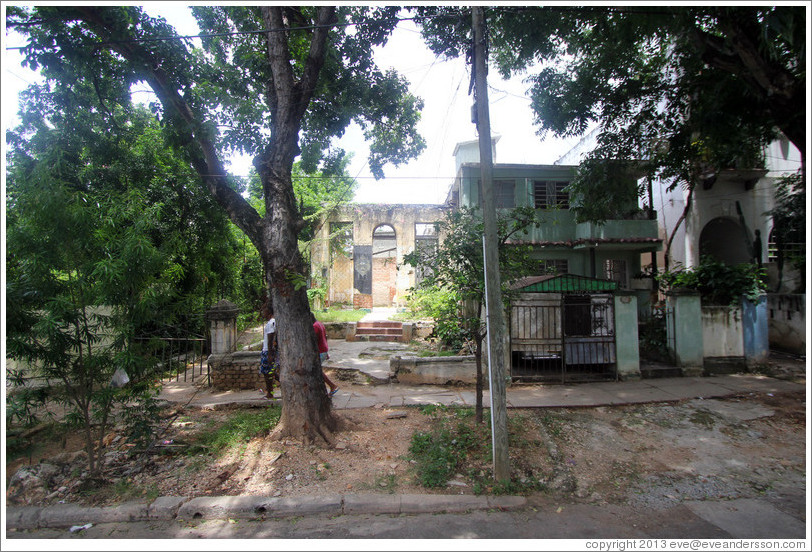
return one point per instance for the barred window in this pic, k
(549, 194)
(553, 266)
(615, 270)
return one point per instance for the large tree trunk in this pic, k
(306, 409)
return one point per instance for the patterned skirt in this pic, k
(266, 367)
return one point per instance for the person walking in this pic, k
(269, 359)
(321, 342)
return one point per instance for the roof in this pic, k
(557, 283)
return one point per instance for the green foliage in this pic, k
(142, 416)
(676, 90)
(236, 431)
(440, 453)
(455, 274)
(340, 315)
(718, 283)
(789, 219)
(456, 444)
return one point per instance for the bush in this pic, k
(718, 283)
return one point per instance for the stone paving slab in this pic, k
(690, 388)
(756, 383)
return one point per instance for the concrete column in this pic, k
(627, 343)
(685, 331)
(222, 319)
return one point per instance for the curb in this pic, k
(176, 508)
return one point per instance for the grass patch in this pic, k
(455, 445)
(236, 431)
(340, 315)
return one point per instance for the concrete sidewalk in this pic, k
(371, 360)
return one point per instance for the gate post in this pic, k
(222, 318)
(627, 343)
(685, 331)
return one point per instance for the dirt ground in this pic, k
(649, 455)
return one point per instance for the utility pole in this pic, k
(494, 308)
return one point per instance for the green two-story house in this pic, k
(576, 317)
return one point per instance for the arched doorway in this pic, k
(384, 266)
(725, 240)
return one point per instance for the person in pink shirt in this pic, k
(321, 342)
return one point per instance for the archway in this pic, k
(384, 266)
(725, 240)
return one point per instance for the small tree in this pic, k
(456, 266)
(82, 270)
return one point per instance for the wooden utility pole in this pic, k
(494, 309)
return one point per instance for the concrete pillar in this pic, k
(627, 343)
(685, 331)
(222, 319)
(755, 325)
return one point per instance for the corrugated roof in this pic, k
(562, 283)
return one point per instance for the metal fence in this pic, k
(176, 354)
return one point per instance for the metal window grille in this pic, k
(550, 195)
(553, 266)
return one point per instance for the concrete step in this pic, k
(378, 331)
(660, 371)
(380, 324)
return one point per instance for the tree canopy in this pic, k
(681, 91)
(274, 82)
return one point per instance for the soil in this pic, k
(650, 455)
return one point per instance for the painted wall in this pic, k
(722, 332)
(786, 316)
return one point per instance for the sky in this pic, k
(445, 121)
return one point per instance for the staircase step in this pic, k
(380, 324)
(378, 331)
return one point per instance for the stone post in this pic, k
(685, 331)
(222, 318)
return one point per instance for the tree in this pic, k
(455, 266)
(107, 239)
(789, 224)
(265, 75)
(679, 92)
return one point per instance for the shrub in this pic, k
(717, 282)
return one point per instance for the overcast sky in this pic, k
(446, 118)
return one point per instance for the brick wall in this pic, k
(234, 371)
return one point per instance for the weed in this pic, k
(703, 418)
(236, 431)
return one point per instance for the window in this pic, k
(341, 239)
(425, 239)
(615, 270)
(548, 194)
(553, 266)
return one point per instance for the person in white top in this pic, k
(269, 359)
